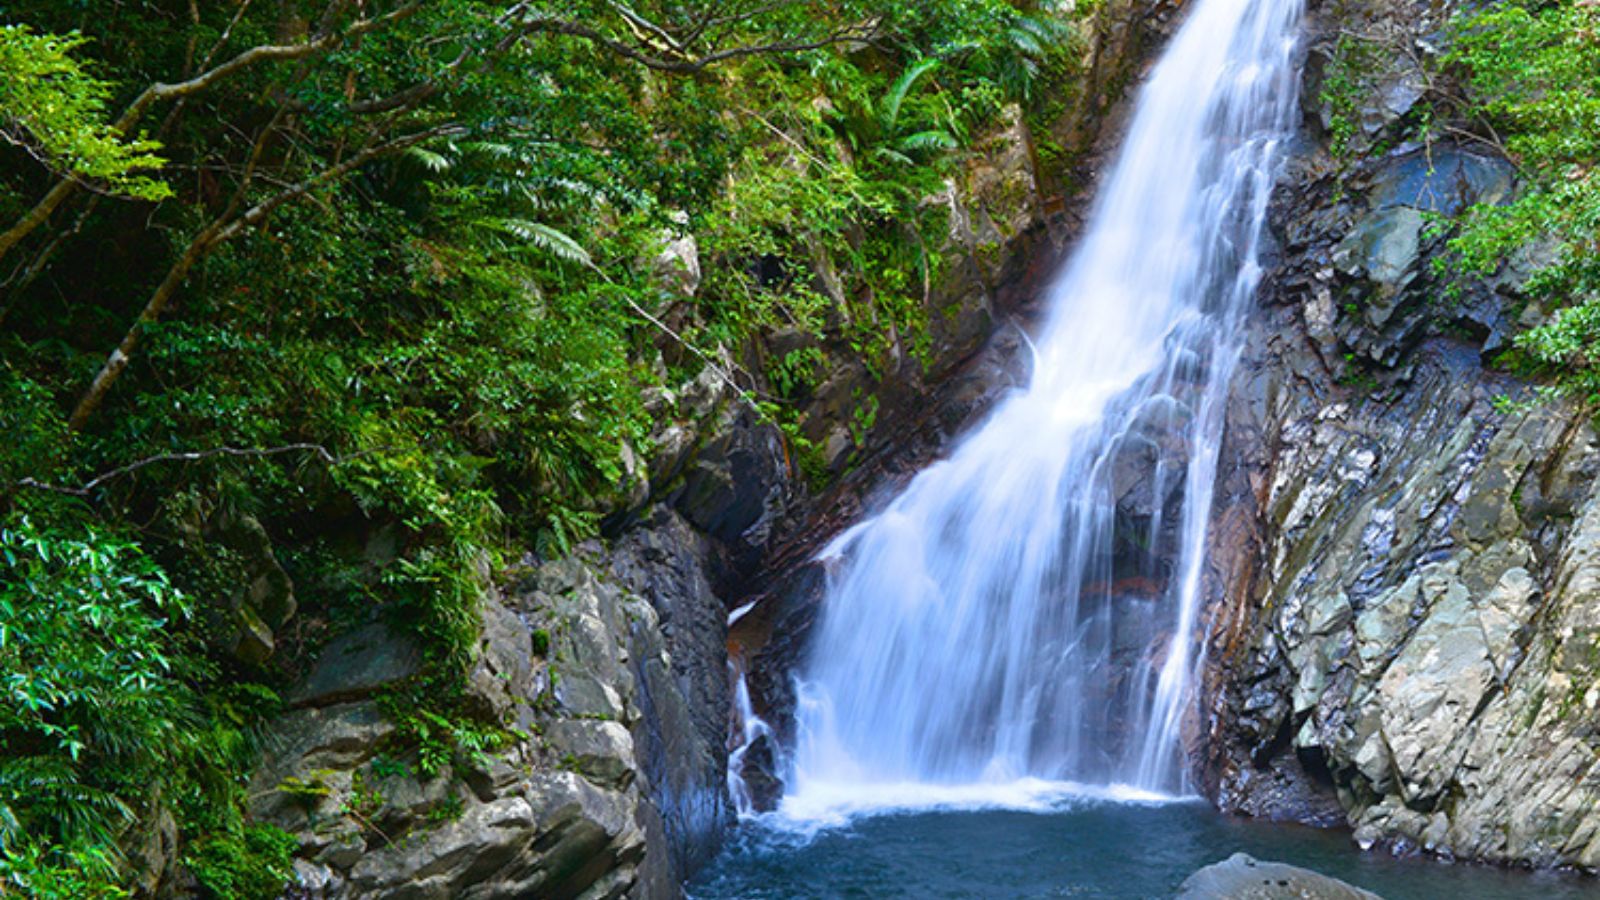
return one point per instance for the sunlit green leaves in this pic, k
(93, 706)
(52, 105)
(1533, 71)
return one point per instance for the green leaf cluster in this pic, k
(1532, 70)
(103, 725)
(51, 105)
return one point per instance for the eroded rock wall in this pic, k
(613, 787)
(1406, 600)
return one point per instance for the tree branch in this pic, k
(325, 41)
(710, 22)
(641, 24)
(223, 228)
(265, 53)
(89, 486)
(697, 64)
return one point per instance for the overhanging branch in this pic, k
(88, 487)
(325, 41)
(692, 65)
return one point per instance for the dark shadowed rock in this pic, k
(682, 731)
(761, 773)
(734, 489)
(358, 663)
(1443, 180)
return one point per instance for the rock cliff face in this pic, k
(1406, 599)
(614, 787)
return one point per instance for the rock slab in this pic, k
(1242, 877)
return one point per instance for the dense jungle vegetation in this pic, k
(278, 277)
(365, 288)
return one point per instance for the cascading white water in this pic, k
(747, 729)
(1026, 609)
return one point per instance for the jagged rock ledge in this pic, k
(1405, 581)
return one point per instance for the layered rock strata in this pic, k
(1405, 600)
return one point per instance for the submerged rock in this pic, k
(1242, 877)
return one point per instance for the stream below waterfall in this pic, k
(1099, 849)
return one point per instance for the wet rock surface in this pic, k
(1242, 877)
(681, 667)
(612, 784)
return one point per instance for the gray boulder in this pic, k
(357, 664)
(1241, 877)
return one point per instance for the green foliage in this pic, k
(253, 865)
(797, 371)
(456, 335)
(306, 791)
(50, 104)
(450, 810)
(1347, 83)
(1022, 51)
(42, 872)
(862, 420)
(103, 724)
(439, 734)
(842, 191)
(1533, 73)
(883, 129)
(94, 704)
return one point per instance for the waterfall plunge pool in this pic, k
(1084, 846)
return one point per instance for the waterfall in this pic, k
(747, 729)
(1025, 611)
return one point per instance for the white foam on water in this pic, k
(827, 806)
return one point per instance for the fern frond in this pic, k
(934, 140)
(547, 238)
(889, 109)
(431, 160)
